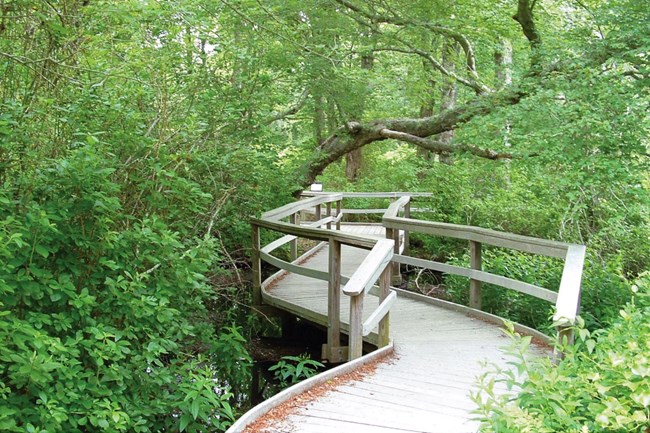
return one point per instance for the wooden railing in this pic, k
(566, 299)
(395, 249)
(374, 267)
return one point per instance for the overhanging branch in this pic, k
(437, 146)
(478, 87)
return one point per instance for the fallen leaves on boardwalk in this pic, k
(275, 420)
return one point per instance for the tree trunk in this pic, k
(319, 119)
(449, 94)
(503, 63)
(354, 159)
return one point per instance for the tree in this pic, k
(406, 32)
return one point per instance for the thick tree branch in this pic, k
(437, 146)
(418, 131)
(354, 135)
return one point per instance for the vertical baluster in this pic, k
(293, 246)
(564, 334)
(407, 243)
(257, 266)
(396, 278)
(475, 285)
(334, 303)
(383, 334)
(318, 212)
(339, 207)
(356, 327)
(329, 214)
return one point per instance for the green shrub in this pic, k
(293, 369)
(103, 324)
(515, 306)
(602, 384)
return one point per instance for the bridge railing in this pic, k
(566, 299)
(286, 220)
(398, 223)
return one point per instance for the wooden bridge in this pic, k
(428, 352)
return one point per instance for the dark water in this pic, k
(299, 338)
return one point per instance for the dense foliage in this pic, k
(602, 384)
(104, 322)
(136, 137)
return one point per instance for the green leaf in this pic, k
(194, 408)
(41, 250)
(185, 420)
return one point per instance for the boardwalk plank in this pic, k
(423, 388)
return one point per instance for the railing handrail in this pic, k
(395, 207)
(370, 269)
(385, 194)
(383, 252)
(567, 297)
(495, 238)
(295, 207)
(316, 234)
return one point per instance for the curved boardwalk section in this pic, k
(423, 387)
(439, 348)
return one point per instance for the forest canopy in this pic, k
(137, 137)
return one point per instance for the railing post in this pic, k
(317, 212)
(339, 207)
(356, 325)
(407, 243)
(396, 276)
(333, 351)
(383, 334)
(293, 246)
(329, 214)
(475, 285)
(257, 266)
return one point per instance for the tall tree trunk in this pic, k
(449, 94)
(354, 159)
(503, 63)
(319, 119)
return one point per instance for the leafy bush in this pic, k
(293, 369)
(602, 384)
(103, 324)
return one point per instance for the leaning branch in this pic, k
(354, 135)
(437, 146)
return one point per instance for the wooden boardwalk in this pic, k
(431, 352)
(423, 387)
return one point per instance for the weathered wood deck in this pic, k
(438, 348)
(423, 387)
